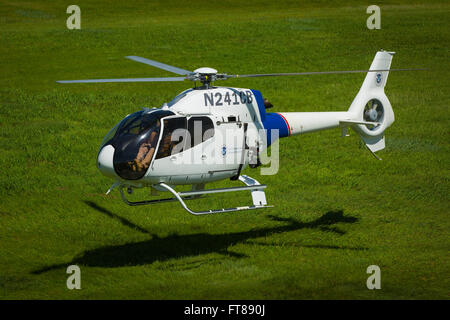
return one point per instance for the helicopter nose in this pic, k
(105, 161)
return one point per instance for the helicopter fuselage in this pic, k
(203, 135)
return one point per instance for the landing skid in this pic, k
(256, 189)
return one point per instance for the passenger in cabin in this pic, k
(169, 142)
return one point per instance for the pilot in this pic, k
(167, 143)
(146, 151)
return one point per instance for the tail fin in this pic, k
(371, 110)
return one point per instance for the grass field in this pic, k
(337, 209)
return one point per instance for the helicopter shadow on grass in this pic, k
(192, 245)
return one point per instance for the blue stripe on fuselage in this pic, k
(271, 121)
(259, 100)
(274, 121)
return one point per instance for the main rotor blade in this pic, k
(310, 73)
(124, 80)
(159, 65)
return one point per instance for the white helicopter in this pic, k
(178, 143)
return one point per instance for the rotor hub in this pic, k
(206, 75)
(205, 70)
(372, 114)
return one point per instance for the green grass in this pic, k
(337, 210)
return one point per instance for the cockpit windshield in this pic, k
(135, 140)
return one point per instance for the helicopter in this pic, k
(209, 133)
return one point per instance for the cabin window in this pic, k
(173, 138)
(200, 129)
(181, 134)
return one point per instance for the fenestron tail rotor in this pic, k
(373, 112)
(208, 75)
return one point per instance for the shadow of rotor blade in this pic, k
(122, 220)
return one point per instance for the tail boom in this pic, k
(370, 113)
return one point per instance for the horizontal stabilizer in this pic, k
(352, 122)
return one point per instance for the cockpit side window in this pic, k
(176, 138)
(200, 129)
(173, 137)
